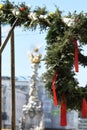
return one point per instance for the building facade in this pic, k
(21, 92)
(50, 112)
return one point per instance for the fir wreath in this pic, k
(60, 48)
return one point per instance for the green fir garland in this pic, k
(60, 47)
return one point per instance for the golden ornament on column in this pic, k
(35, 58)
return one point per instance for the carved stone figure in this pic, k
(32, 112)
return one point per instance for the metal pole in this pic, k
(13, 80)
(0, 84)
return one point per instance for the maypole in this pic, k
(2, 46)
(13, 80)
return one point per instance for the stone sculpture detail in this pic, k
(32, 112)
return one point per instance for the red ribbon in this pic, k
(76, 55)
(54, 89)
(63, 112)
(84, 108)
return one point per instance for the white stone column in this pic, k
(33, 115)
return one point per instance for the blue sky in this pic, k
(27, 40)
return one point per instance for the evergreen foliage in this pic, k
(61, 31)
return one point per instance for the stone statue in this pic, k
(32, 112)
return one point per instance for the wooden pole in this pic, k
(2, 46)
(0, 84)
(13, 80)
(8, 36)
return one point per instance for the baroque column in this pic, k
(33, 115)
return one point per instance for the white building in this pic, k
(51, 113)
(21, 93)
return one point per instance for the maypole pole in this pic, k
(8, 36)
(13, 80)
(2, 46)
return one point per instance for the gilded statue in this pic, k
(35, 58)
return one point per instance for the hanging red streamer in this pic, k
(54, 89)
(76, 55)
(63, 112)
(84, 108)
